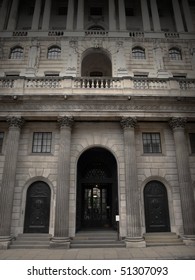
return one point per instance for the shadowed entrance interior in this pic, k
(97, 192)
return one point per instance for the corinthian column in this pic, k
(134, 236)
(185, 181)
(3, 13)
(80, 15)
(46, 15)
(8, 180)
(36, 15)
(13, 15)
(61, 231)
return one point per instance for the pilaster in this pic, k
(8, 180)
(61, 231)
(134, 237)
(185, 181)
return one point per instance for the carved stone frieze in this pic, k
(66, 121)
(178, 122)
(15, 121)
(128, 122)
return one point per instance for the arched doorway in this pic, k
(37, 208)
(97, 191)
(96, 63)
(156, 207)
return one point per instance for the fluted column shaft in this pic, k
(36, 15)
(3, 13)
(145, 16)
(178, 16)
(46, 15)
(122, 15)
(188, 15)
(13, 15)
(132, 194)
(80, 15)
(112, 17)
(61, 230)
(70, 15)
(185, 181)
(9, 174)
(155, 15)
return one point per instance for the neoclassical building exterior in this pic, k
(97, 118)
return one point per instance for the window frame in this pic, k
(16, 53)
(35, 147)
(153, 152)
(54, 52)
(175, 54)
(138, 53)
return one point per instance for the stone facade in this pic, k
(94, 80)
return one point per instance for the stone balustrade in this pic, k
(25, 84)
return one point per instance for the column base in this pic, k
(135, 242)
(5, 241)
(189, 240)
(60, 243)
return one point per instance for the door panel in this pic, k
(37, 208)
(156, 207)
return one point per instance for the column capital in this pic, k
(15, 121)
(178, 122)
(66, 121)
(128, 122)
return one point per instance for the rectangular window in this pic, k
(42, 142)
(192, 142)
(1, 141)
(151, 143)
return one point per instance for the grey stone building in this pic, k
(97, 118)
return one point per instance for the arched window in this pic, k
(138, 53)
(175, 54)
(54, 52)
(16, 53)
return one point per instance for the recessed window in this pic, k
(175, 54)
(16, 53)
(151, 143)
(138, 53)
(42, 142)
(1, 141)
(192, 142)
(54, 52)
(96, 11)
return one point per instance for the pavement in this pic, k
(148, 253)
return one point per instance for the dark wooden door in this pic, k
(156, 207)
(37, 208)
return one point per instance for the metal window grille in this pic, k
(175, 54)
(138, 53)
(192, 142)
(54, 53)
(151, 143)
(1, 141)
(17, 53)
(42, 142)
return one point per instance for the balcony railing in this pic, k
(92, 84)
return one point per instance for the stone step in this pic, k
(30, 241)
(162, 239)
(96, 239)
